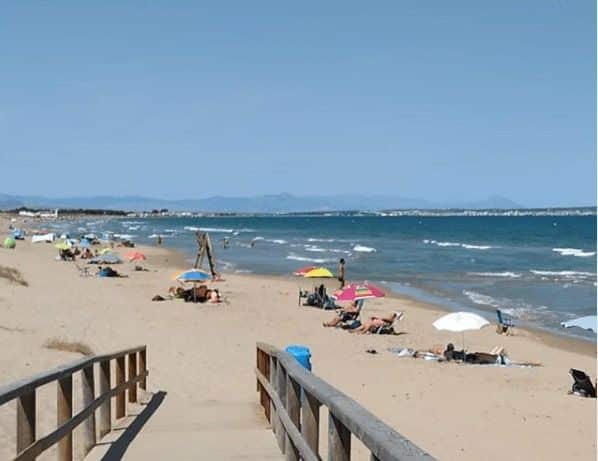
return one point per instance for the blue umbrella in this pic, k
(193, 275)
(84, 243)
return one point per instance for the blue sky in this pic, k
(178, 99)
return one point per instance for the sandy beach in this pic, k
(202, 353)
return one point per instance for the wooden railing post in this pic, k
(339, 440)
(64, 412)
(89, 425)
(120, 379)
(272, 377)
(132, 374)
(25, 420)
(281, 390)
(143, 368)
(293, 406)
(310, 421)
(105, 410)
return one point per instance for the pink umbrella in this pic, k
(356, 291)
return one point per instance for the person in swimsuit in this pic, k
(371, 325)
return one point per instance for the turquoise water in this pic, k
(541, 269)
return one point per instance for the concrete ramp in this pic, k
(168, 428)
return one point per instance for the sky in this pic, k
(178, 99)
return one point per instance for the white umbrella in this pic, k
(587, 323)
(459, 322)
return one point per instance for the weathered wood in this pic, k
(45, 442)
(373, 457)
(293, 407)
(339, 440)
(13, 390)
(305, 451)
(64, 413)
(272, 379)
(25, 420)
(143, 368)
(281, 390)
(310, 421)
(89, 425)
(120, 379)
(132, 369)
(105, 410)
(383, 442)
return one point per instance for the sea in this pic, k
(539, 269)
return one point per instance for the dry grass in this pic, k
(13, 276)
(68, 346)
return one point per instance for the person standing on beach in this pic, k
(341, 272)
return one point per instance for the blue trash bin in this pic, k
(301, 353)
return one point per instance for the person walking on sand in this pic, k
(341, 272)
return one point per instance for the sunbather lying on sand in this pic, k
(371, 325)
(344, 315)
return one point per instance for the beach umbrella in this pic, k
(135, 256)
(587, 323)
(84, 243)
(460, 322)
(107, 258)
(193, 275)
(319, 272)
(357, 291)
(10, 243)
(103, 251)
(62, 246)
(304, 270)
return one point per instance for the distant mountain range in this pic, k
(277, 203)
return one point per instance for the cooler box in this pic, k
(301, 353)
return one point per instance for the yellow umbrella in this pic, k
(320, 272)
(103, 251)
(62, 246)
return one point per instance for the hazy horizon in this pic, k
(452, 102)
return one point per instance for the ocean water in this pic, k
(540, 269)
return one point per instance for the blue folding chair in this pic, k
(505, 322)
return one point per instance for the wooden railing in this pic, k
(292, 397)
(29, 446)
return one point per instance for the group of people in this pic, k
(348, 318)
(199, 294)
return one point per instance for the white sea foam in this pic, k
(279, 241)
(314, 249)
(209, 229)
(574, 252)
(363, 249)
(563, 273)
(506, 274)
(259, 237)
(295, 257)
(467, 246)
(320, 240)
(479, 298)
(155, 236)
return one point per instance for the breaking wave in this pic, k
(364, 249)
(467, 246)
(574, 252)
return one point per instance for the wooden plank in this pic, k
(43, 443)
(132, 370)
(89, 425)
(64, 413)
(339, 440)
(272, 379)
(143, 367)
(310, 421)
(105, 410)
(281, 390)
(120, 407)
(12, 390)
(293, 407)
(25, 420)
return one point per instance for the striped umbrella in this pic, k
(357, 291)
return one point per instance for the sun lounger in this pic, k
(388, 329)
(582, 384)
(505, 322)
(348, 318)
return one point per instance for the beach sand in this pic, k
(203, 357)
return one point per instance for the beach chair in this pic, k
(83, 271)
(582, 384)
(389, 329)
(505, 322)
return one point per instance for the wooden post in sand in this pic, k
(143, 368)
(310, 421)
(339, 440)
